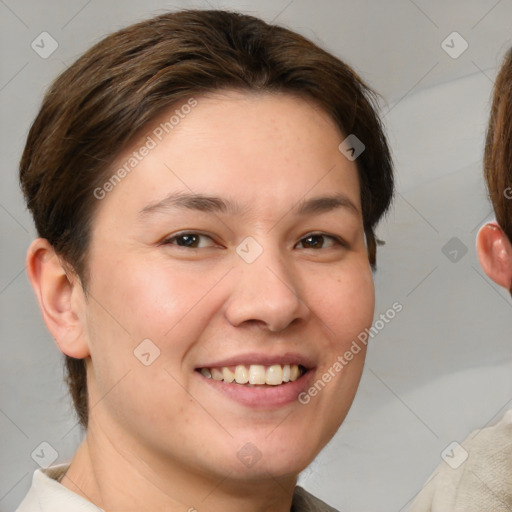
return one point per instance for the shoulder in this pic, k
(303, 501)
(480, 478)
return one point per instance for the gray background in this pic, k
(442, 367)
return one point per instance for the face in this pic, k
(233, 248)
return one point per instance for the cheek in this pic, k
(139, 298)
(344, 302)
(136, 299)
(138, 294)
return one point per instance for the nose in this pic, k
(267, 291)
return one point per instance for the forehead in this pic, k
(267, 149)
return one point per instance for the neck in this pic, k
(124, 475)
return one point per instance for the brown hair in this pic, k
(93, 110)
(498, 148)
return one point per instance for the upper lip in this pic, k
(263, 359)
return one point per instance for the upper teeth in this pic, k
(256, 374)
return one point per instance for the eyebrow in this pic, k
(213, 204)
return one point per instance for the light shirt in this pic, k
(482, 482)
(47, 494)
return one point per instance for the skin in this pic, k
(495, 254)
(159, 436)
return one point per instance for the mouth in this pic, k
(263, 382)
(255, 375)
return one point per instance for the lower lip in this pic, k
(262, 397)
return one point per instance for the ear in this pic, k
(495, 254)
(61, 298)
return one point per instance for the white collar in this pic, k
(46, 494)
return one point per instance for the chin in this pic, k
(279, 458)
(282, 469)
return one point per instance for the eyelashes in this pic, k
(191, 239)
(188, 239)
(315, 236)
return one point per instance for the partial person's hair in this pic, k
(92, 111)
(498, 148)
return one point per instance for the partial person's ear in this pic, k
(61, 298)
(495, 254)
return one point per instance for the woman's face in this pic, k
(233, 247)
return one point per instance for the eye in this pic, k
(190, 240)
(317, 241)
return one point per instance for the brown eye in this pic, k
(317, 241)
(190, 240)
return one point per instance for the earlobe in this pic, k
(60, 298)
(495, 254)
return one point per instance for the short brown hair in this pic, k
(498, 148)
(93, 110)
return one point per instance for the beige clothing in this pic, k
(482, 483)
(47, 495)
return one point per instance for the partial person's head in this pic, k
(195, 213)
(494, 238)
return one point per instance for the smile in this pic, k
(255, 374)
